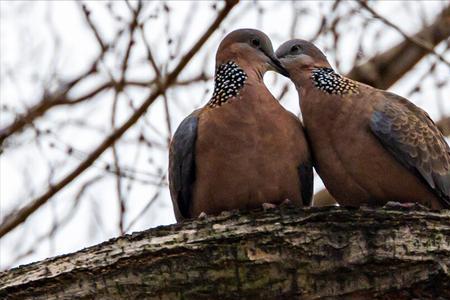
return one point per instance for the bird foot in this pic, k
(267, 206)
(405, 206)
(202, 216)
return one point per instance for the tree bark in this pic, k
(286, 253)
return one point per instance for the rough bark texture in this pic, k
(286, 253)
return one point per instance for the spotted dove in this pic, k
(370, 146)
(242, 149)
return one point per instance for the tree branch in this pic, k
(51, 100)
(281, 254)
(383, 70)
(59, 99)
(22, 214)
(421, 43)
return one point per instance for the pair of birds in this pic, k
(243, 149)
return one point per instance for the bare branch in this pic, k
(287, 253)
(64, 220)
(151, 59)
(424, 44)
(385, 69)
(146, 207)
(87, 16)
(50, 100)
(58, 99)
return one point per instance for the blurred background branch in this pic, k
(419, 40)
(384, 69)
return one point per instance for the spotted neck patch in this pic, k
(328, 81)
(229, 79)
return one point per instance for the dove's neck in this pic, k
(330, 82)
(316, 101)
(229, 79)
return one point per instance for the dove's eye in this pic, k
(255, 43)
(296, 49)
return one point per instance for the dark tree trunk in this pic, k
(280, 254)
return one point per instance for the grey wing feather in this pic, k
(412, 137)
(182, 165)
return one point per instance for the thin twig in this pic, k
(146, 207)
(157, 80)
(87, 16)
(124, 68)
(63, 220)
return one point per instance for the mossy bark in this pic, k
(286, 253)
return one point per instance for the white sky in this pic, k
(27, 48)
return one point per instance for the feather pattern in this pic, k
(414, 139)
